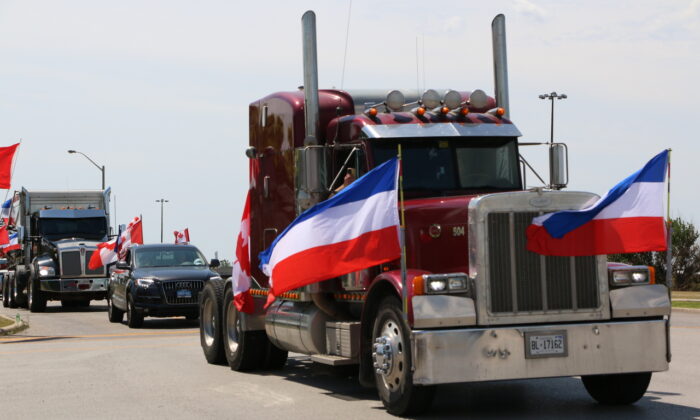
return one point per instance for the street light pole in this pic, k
(161, 201)
(101, 168)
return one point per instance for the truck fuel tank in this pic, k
(297, 326)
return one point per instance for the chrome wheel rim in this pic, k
(389, 355)
(233, 327)
(208, 322)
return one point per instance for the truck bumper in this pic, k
(55, 288)
(486, 354)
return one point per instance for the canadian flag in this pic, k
(7, 155)
(133, 234)
(182, 236)
(240, 273)
(105, 254)
(4, 236)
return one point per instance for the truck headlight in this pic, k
(631, 275)
(441, 283)
(145, 283)
(46, 271)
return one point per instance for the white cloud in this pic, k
(530, 9)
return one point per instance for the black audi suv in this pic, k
(158, 280)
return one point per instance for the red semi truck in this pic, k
(480, 307)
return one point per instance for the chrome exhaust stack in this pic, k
(311, 112)
(500, 63)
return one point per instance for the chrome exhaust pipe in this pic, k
(500, 62)
(308, 38)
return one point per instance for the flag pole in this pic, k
(669, 229)
(402, 238)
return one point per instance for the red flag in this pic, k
(103, 255)
(241, 266)
(133, 234)
(7, 154)
(4, 236)
(182, 236)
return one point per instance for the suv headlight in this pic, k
(46, 271)
(632, 275)
(433, 284)
(145, 283)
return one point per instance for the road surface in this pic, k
(75, 364)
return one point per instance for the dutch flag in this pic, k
(355, 229)
(629, 218)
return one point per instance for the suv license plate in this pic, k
(545, 344)
(183, 293)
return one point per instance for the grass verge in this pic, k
(4, 322)
(685, 295)
(685, 304)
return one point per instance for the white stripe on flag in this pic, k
(642, 199)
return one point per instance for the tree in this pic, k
(685, 257)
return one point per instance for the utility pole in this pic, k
(162, 201)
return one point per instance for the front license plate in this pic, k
(545, 344)
(182, 294)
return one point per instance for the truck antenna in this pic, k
(345, 54)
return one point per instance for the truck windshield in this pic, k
(168, 257)
(54, 229)
(447, 166)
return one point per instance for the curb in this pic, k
(689, 310)
(15, 327)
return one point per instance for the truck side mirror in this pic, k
(214, 263)
(310, 176)
(123, 265)
(558, 166)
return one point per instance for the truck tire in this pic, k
(391, 353)
(12, 292)
(210, 321)
(275, 358)
(35, 298)
(6, 291)
(244, 350)
(134, 318)
(113, 313)
(21, 278)
(617, 389)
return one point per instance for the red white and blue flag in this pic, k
(629, 218)
(355, 229)
(13, 243)
(5, 211)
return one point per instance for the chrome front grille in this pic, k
(171, 288)
(521, 281)
(74, 263)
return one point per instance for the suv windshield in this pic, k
(168, 257)
(61, 228)
(446, 166)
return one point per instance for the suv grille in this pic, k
(523, 281)
(171, 288)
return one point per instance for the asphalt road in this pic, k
(77, 365)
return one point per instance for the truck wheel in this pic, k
(35, 298)
(275, 358)
(391, 353)
(134, 318)
(114, 314)
(617, 389)
(244, 350)
(21, 277)
(210, 321)
(12, 292)
(6, 291)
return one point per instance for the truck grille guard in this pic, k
(515, 285)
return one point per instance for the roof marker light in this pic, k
(372, 112)
(444, 110)
(500, 112)
(464, 111)
(420, 111)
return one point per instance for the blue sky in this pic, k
(158, 91)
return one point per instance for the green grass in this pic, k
(685, 295)
(685, 304)
(4, 322)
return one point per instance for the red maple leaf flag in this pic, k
(241, 266)
(182, 236)
(133, 234)
(7, 155)
(103, 255)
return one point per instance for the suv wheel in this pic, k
(114, 314)
(134, 318)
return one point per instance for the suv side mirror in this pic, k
(214, 263)
(123, 265)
